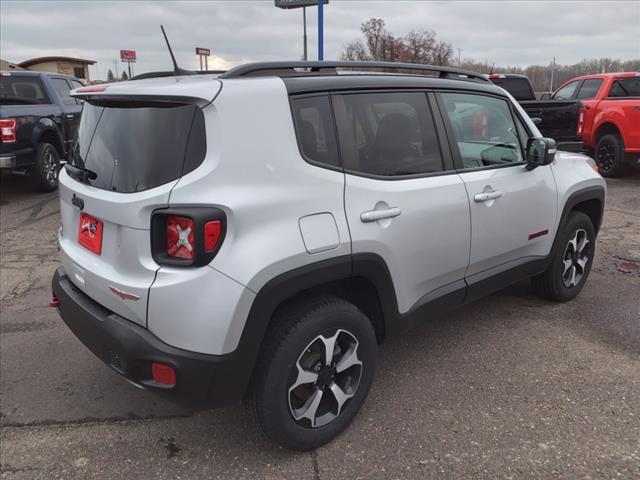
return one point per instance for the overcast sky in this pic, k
(507, 32)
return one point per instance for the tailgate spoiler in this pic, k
(200, 90)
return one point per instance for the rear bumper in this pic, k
(202, 381)
(7, 160)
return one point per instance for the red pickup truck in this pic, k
(610, 117)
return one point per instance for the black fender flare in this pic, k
(43, 126)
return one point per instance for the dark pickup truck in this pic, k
(559, 119)
(38, 124)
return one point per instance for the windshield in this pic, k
(134, 149)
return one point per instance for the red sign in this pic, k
(203, 51)
(128, 56)
(90, 233)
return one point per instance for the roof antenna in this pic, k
(490, 71)
(176, 69)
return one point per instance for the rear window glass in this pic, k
(625, 87)
(518, 87)
(135, 149)
(22, 90)
(589, 88)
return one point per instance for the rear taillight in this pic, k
(8, 130)
(580, 122)
(188, 237)
(180, 237)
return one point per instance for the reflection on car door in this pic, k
(403, 200)
(513, 209)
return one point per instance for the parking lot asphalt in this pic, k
(511, 386)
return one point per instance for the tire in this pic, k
(309, 415)
(609, 155)
(571, 262)
(44, 174)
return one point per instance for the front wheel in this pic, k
(571, 262)
(314, 372)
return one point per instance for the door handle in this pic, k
(375, 215)
(486, 196)
(70, 116)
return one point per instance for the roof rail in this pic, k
(171, 73)
(293, 68)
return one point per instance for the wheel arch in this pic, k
(46, 131)
(606, 128)
(362, 279)
(590, 201)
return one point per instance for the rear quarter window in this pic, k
(314, 129)
(625, 87)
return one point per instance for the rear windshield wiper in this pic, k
(84, 173)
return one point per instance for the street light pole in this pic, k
(320, 30)
(304, 20)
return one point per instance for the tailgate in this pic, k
(559, 117)
(120, 276)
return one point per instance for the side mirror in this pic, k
(536, 121)
(545, 96)
(540, 152)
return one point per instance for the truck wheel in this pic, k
(571, 262)
(314, 372)
(44, 174)
(609, 155)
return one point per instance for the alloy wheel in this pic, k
(325, 379)
(575, 259)
(606, 156)
(50, 166)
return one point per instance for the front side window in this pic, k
(625, 87)
(62, 87)
(589, 88)
(314, 128)
(484, 130)
(388, 134)
(566, 92)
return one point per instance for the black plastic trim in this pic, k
(200, 216)
(202, 381)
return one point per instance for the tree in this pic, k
(110, 76)
(124, 76)
(418, 46)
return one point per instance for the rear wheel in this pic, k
(571, 262)
(44, 174)
(314, 372)
(609, 155)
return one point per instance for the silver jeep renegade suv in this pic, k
(257, 233)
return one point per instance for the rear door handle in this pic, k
(486, 196)
(375, 215)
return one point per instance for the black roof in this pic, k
(310, 84)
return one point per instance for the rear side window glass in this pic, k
(314, 129)
(63, 89)
(138, 148)
(388, 134)
(589, 88)
(22, 90)
(626, 87)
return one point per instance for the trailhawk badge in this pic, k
(124, 295)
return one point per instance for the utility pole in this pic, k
(304, 21)
(459, 62)
(553, 71)
(115, 64)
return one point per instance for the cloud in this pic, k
(509, 33)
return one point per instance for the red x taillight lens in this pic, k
(180, 237)
(8, 130)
